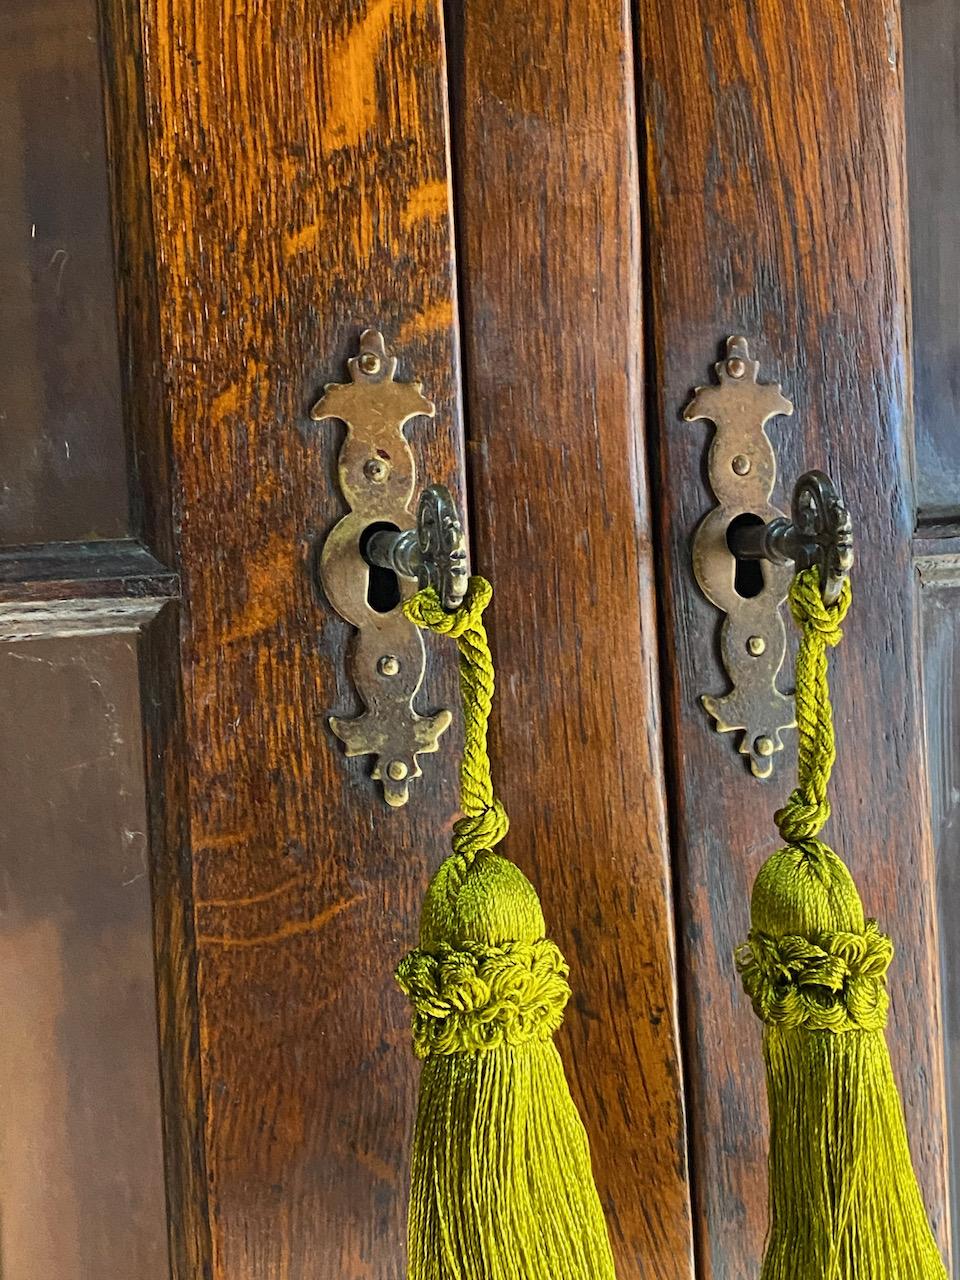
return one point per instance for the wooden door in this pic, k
(556, 214)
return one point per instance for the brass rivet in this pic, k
(736, 367)
(756, 645)
(741, 464)
(370, 362)
(388, 666)
(763, 746)
(375, 469)
(397, 770)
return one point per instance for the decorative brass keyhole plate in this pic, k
(742, 468)
(378, 477)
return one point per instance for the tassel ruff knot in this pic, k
(834, 982)
(472, 998)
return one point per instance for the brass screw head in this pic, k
(763, 746)
(370, 362)
(741, 464)
(736, 367)
(375, 469)
(397, 770)
(756, 645)
(389, 666)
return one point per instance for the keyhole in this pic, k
(748, 575)
(383, 585)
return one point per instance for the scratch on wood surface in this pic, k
(292, 929)
(265, 896)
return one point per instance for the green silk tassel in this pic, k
(844, 1203)
(501, 1183)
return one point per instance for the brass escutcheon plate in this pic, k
(377, 475)
(742, 468)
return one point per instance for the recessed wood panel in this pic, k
(931, 48)
(81, 1154)
(62, 453)
(941, 681)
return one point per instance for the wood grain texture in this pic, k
(298, 171)
(174, 941)
(152, 495)
(549, 247)
(126, 582)
(774, 156)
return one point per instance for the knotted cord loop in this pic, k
(808, 808)
(485, 820)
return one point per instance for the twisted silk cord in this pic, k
(484, 822)
(808, 809)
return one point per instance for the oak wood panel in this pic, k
(80, 1131)
(774, 155)
(298, 169)
(545, 149)
(941, 689)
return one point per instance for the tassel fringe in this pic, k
(502, 1185)
(844, 1201)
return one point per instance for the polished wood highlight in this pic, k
(775, 194)
(548, 205)
(299, 180)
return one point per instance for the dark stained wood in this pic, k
(941, 688)
(774, 156)
(175, 952)
(81, 570)
(298, 171)
(62, 459)
(140, 581)
(545, 149)
(153, 508)
(80, 1128)
(931, 48)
